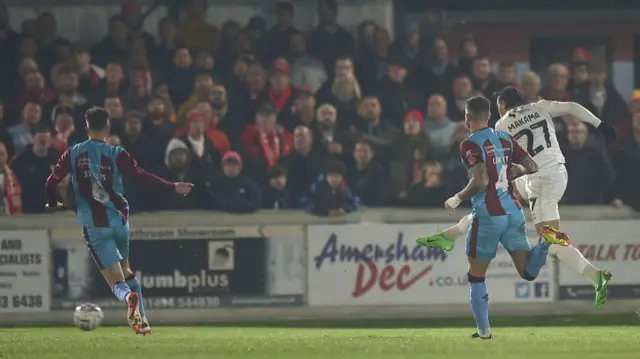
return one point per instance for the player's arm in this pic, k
(60, 171)
(524, 164)
(557, 108)
(130, 168)
(472, 156)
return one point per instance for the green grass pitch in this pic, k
(569, 338)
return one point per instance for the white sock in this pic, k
(459, 229)
(484, 333)
(572, 258)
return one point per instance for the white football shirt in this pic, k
(532, 127)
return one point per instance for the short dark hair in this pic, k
(367, 142)
(335, 167)
(97, 118)
(66, 70)
(117, 18)
(479, 108)
(276, 171)
(510, 97)
(285, 6)
(507, 63)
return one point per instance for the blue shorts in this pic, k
(107, 246)
(486, 232)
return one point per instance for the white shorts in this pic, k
(544, 190)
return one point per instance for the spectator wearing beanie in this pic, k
(232, 191)
(177, 168)
(409, 153)
(329, 195)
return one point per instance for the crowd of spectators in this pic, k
(272, 118)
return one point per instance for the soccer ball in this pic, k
(88, 316)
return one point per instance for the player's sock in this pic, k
(461, 228)
(536, 259)
(121, 289)
(480, 304)
(572, 258)
(134, 284)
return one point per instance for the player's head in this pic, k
(97, 120)
(477, 112)
(507, 99)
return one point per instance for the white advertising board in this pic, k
(380, 264)
(614, 245)
(25, 284)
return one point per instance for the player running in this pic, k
(532, 126)
(497, 216)
(96, 170)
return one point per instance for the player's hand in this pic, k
(452, 203)
(53, 209)
(183, 188)
(617, 203)
(607, 131)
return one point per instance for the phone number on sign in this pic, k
(21, 301)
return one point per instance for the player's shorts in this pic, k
(107, 246)
(544, 190)
(486, 232)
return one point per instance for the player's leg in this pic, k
(446, 238)
(482, 245)
(528, 261)
(546, 192)
(103, 247)
(123, 243)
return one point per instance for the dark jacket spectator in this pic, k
(374, 127)
(279, 35)
(602, 99)
(115, 45)
(233, 192)
(275, 194)
(591, 174)
(626, 162)
(329, 40)
(135, 141)
(397, 97)
(435, 76)
(331, 140)
(329, 195)
(304, 163)
(32, 168)
(431, 191)
(181, 76)
(367, 179)
(158, 129)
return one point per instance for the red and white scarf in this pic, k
(270, 144)
(11, 196)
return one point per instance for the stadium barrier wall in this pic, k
(204, 268)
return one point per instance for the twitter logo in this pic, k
(523, 290)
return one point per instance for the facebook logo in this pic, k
(523, 290)
(541, 290)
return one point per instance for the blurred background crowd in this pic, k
(322, 119)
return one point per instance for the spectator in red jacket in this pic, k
(218, 138)
(265, 142)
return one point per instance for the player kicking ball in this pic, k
(532, 126)
(497, 217)
(96, 170)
